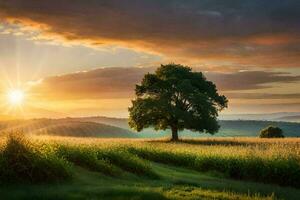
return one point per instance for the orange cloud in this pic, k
(256, 96)
(275, 39)
(113, 83)
(190, 31)
(102, 83)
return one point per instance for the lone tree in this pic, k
(176, 98)
(271, 132)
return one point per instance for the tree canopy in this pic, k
(176, 98)
(271, 132)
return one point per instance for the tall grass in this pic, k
(272, 163)
(108, 160)
(86, 157)
(127, 161)
(22, 161)
(50, 158)
(190, 193)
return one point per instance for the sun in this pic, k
(16, 96)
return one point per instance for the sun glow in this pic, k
(16, 96)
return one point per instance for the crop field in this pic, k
(48, 167)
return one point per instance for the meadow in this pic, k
(50, 167)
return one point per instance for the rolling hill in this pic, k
(293, 118)
(118, 128)
(229, 128)
(278, 116)
(251, 128)
(64, 127)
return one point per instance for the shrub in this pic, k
(271, 132)
(22, 162)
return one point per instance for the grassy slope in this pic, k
(176, 183)
(173, 182)
(64, 127)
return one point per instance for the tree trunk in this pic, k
(174, 133)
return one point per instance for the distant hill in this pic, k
(119, 122)
(293, 118)
(118, 128)
(267, 116)
(252, 127)
(64, 127)
(229, 128)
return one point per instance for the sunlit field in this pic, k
(231, 168)
(150, 100)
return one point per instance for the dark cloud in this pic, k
(238, 31)
(248, 80)
(98, 83)
(120, 82)
(265, 108)
(240, 95)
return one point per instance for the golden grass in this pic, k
(263, 160)
(230, 145)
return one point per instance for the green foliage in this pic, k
(21, 161)
(108, 161)
(175, 97)
(127, 161)
(87, 157)
(36, 161)
(271, 132)
(276, 169)
(175, 186)
(191, 193)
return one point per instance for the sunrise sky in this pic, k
(79, 58)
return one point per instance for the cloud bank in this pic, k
(104, 83)
(259, 33)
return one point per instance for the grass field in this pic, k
(87, 168)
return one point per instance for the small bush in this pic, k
(271, 132)
(21, 162)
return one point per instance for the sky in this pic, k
(80, 58)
